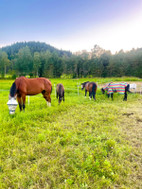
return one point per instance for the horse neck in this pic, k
(19, 81)
(106, 87)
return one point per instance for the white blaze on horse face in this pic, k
(81, 86)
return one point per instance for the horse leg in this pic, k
(112, 96)
(90, 95)
(94, 95)
(60, 99)
(47, 98)
(63, 97)
(57, 95)
(85, 92)
(19, 102)
(24, 100)
(125, 96)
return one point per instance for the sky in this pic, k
(73, 25)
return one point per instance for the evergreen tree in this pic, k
(24, 61)
(36, 63)
(4, 63)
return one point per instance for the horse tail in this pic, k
(127, 88)
(13, 90)
(94, 88)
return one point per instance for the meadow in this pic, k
(79, 144)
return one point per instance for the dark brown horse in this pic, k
(91, 87)
(23, 86)
(60, 91)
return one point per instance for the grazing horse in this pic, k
(121, 88)
(60, 92)
(91, 87)
(23, 86)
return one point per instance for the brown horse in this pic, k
(60, 92)
(23, 86)
(91, 87)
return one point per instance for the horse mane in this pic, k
(105, 87)
(85, 83)
(13, 89)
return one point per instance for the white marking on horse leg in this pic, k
(48, 103)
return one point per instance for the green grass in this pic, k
(78, 144)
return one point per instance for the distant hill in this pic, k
(12, 50)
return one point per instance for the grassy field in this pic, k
(80, 144)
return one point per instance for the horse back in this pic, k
(92, 86)
(33, 86)
(60, 89)
(117, 87)
(87, 86)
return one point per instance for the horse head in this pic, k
(60, 99)
(83, 84)
(103, 91)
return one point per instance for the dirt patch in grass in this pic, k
(132, 129)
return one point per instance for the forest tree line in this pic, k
(41, 60)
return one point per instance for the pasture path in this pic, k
(131, 126)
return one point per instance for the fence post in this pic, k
(55, 89)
